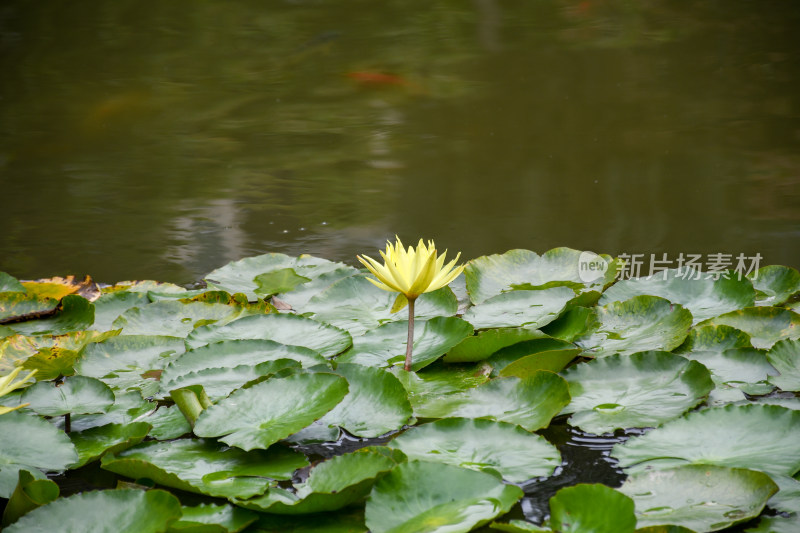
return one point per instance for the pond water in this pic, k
(164, 139)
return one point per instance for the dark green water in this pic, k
(164, 139)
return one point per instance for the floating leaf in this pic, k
(299, 297)
(375, 404)
(123, 511)
(491, 275)
(331, 485)
(746, 369)
(18, 306)
(291, 330)
(641, 323)
(220, 382)
(265, 413)
(531, 402)
(199, 519)
(206, 467)
(436, 498)
(93, 443)
(111, 305)
(29, 494)
(760, 437)
(481, 444)
(698, 497)
(438, 381)
(550, 360)
(765, 325)
(485, 343)
(386, 345)
(357, 306)
(280, 280)
(785, 357)
(76, 395)
(776, 524)
(74, 313)
(174, 318)
(128, 407)
(775, 284)
(702, 294)
(591, 509)
(710, 338)
(641, 390)
(9, 283)
(59, 287)
(168, 423)
(504, 357)
(531, 309)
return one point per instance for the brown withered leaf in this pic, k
(59, 287)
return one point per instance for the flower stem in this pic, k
(410, 342)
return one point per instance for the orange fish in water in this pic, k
(378, 79)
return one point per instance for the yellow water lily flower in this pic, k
(411, 272)
(7, 384)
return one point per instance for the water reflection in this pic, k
(164, 140)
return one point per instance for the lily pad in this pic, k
(357, 306)
(240, 276)
(641, 390)
(702, 294)
(436, 381)
(220, 382)
(698, 497)
(76, 395)
(531, 402)
(175, 318)
(504, 357)
(168, 423)
(203, 517)
(776, 524)
(206, 467)
(765, 325)
(775, 284)
(491, 275)
(74, 313)
(280, 280)
(641, 323)
(480, 445)
(29, 494)
(111, 438)
(746, 369)
(331, 484)
(592, 508)
(299, 297)
(272, 410)
(386, 345)
(128, 407)
(286, 329)
(9, 283)
(123, 511)
(436, 498)
(16, 306)
(785, 357)
(111, 305)
(531, 309)
(710, 338)
(550, 360)
(376, 402)
(760, 437)
(485, 343)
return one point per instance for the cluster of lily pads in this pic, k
(211, 405)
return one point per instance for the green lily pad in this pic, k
(299, 297)
(436, 498)
(168, 423)
(775, 284)
(376, 402)
(505, 356)
(331, 484)
(698, 497)
(240, 276)
(74, 313)
(33, 443)
(357, 306)
(761, 437)
(175, 318)
(280, 280)
(386, 345)
(29, 494)
(479, 445)
(491, 275)
(710, 338)
(592, 508)
(519, 526)
(229, 354)
(700, 293)
(22, 306)
(531, 402)
(785, 357)
(746, 369)
(93, 443)
(639, 324)
(9, 283)
(765, 325)
(787, 499)
(550, 360)
(640, 390)
(76, 395)
(291, 330)
(485, 343)
(128, 407)
(531, 309)
(437, 380)
(344, 521)
(123, 511)
(111, 305)
(220, 382)
(223, 518)
(206, 467)
(776, 524)
(272, 410)
(572, 324)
